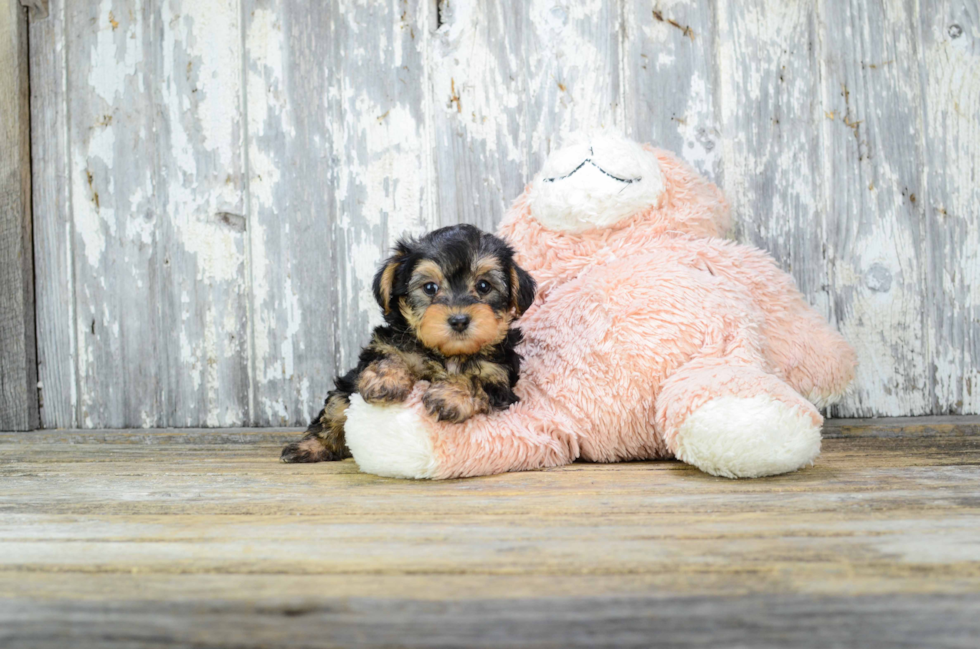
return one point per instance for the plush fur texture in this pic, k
(750, 437)
(393, 429)
(651, 337)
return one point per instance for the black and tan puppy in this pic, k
(448, 299)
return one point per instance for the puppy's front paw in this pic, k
(452, 402)
(385, 381)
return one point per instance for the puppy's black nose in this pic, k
(459, 321)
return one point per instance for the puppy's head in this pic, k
(457, 288)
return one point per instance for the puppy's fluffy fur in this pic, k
(449, 299)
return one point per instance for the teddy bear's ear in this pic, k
(522, 287)
(384, 280)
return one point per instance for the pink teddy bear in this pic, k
(650, 337)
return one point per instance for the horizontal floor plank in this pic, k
(738, 621)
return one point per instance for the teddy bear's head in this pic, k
(595, 180)
(599, 179)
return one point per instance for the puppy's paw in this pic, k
(385, 381)
(452, 402)
(311, 449)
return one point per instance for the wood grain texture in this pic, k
(18, 349)
(770, 97)
(292, 101)
(949, 69)
(339, 161)
(384, 156)
(872, 181)
(242, 208)
(54, 244)
(479, 86)
(156, 175)
(204, 538)
(573, 55)
(744, 621)
(672, 79)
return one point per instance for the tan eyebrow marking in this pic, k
(486, 265)
(427, 270)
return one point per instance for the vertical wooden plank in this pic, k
(572, 65)
(18, 362)
(671, 79)
(292, 107)
(949, 61)
(156, 173)
(206, 298)
(53, 233)
(109, 102)
(384, 153)
(769, 96)
(872, 162)
(339, 167)
(476, 62)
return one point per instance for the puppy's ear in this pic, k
(522, 287)
(384, 280)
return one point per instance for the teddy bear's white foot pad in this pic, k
(389, 441)
(750, 437)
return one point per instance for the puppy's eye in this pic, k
(430, 288)
(483, 287)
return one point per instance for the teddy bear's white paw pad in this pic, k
(389, 440)
(750, 437)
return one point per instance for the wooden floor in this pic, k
(203, 539)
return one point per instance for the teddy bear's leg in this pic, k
(816, 360)
(735, 420)
(402, 441)
(811, 357)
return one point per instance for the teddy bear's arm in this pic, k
(404, 442)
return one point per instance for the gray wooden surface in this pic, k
(18, 363)
(214, 182)
(746, 622)
(202, 538)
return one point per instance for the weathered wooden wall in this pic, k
(18, 349)
(214, 182)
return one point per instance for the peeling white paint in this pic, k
(670, 77)
(275, 410)
(260, 299)
(266, 71)
(700, 149)
(572, 67)
(190, 359)
(870, 97)
(417, 126)
(213, 39)
(366, 258)
(109, 70)
(267, 109)
(294, 319)
(391, 177)
(219, 251)
(93, 192)
(951, 55)
(465, 62)
(88, 220)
